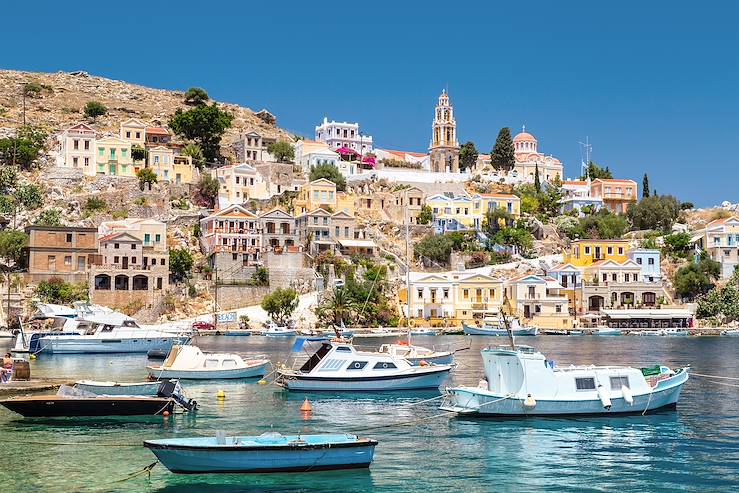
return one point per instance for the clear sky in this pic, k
(653, 84)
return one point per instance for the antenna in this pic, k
(585, 149)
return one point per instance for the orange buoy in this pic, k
(423, 362)
(165, 413)
(306, 407)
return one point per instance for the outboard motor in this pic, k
(170, 388)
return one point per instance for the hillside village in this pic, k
(168, 205)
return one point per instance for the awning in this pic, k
(358, 243)
(654, 314)
(324, 242)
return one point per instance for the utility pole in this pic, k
(7, 314)
(23, 91)
(215, 298)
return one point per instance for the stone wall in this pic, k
(301, 280)
(236, 296)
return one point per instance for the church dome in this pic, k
(524, 137)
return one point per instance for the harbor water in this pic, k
(692, 448)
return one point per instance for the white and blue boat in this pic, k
(339, 366)
(606, 331)
(269, 452)
(275, 330)
(522, 382)
(498, 328)
(190, 363)
(417, 355)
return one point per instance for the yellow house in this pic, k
(540, 301)
(454, 213)
(451, 297)
(113, 157)
(584, 252)
(133, 131)
(510, 203)
(322, 193)
(168, 167)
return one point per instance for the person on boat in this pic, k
(7, 369)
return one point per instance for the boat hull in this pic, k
(234, 459)
(57, 407)
(441, 359)
(85, 345)
(472, 401)
(424, 380)
(290, 333)
(483, 331)
(253, 371)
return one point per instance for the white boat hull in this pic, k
(414, 380)
(470, 400)
(90, 345)
(220, 374)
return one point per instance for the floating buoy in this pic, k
(165, 413)
(220, 394)
(529, 403)
(604, 399)
(306, 407)
(262, 382)
(628, 396)
(32, 357)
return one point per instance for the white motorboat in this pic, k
(663, 332)
(415, 355)
(606, 331)
(275, 330)
(730, 333)
(108, 333)
(340, 366)
(521, 382)
(423, 331)
(497, 327)
(377, 333)
(189, 362)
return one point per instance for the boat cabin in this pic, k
(191, 357)
(344, 358)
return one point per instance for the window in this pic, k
(587, 383)
(618, 382)
(587, 250)
(156, 159)
(610, 250)
(116, 259)
(51, 262)
(356, 365)
(116, 246)
(81, 263)
(133, 260)
(650, 261)
(343, 349)
(158, 238)
(337, 231)
(153, 261)
(87, 145)
(112, 153)
(383, 365)
(147, 238)
(76, 144)
(558, 308)
(605, 277)
(638, 260)
(420, 293)
(101, 151)
(159, 283)
(346, 231)
(138, 135)
(124, 152)
(614, 277)
(446, 293)
(87, 161)
(620, 250)
(69, 237)
(465, 293)
(68, 260)
(229, 363)
(128, 134)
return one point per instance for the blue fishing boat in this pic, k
(269, 452)
(498, 329)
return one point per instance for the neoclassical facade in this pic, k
(528, 157)
(444, 148)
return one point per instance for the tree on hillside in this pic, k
(180, 263)
(521, 238)
(329, 172)
(677, 245)
(146, 175)
(696, 278)
(593, 171)
(49, 217)
(56, 290)
(645, 186)
(12, 248)
(722, 303)
(195, 153)
(537, 180)
(94, 109)
(434, 248)
(655, 212)
(204, 124)
(138, 153)
(467, 156)
(496, 219)
(426, 215)
(282, 150)
(206, 191)
(503, 155)
(23, 149)
(196, 96)
(603, 225)
(338, 307)
(280, 304)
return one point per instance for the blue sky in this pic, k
(654, 85)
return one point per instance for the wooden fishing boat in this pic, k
(189, 362)
(269, 452)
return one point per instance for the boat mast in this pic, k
(507, 324)
(407, 268)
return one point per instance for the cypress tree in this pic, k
(645, 187)
(502, 156)
(537, 182)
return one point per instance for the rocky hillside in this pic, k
(60, 97)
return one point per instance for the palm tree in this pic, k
(196, 153)
(338, 307)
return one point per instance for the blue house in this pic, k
(649, 261)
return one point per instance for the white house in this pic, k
(343, 134)
(76, 148)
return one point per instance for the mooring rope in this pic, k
(694, 374)
(72, 444)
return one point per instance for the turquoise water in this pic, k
(695, 448)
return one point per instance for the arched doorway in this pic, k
(121, 282)
(102, 281)
(627, 298)
(140, 283)
(649, 299)
(595, 303)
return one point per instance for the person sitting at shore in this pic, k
(7, 369)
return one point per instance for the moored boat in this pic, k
(606, 331)
(730, 333)
(340, 366)
(118, 388)
(493, 328)
(274, 330)
(415, 355)
(522, 382)
(189, 362)
(269, 452)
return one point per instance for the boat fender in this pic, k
(529, 403)
(604, 399)
(628, 396)
(423, 362)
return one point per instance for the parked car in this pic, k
(201, 325)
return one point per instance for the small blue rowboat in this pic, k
(486, 330)
(269, 452)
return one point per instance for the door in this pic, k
(125, 262)
(526, 311)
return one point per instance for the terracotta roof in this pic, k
(722, 220)
(500, 196)
(524, 137)
(614, 180)
(157, 131)
(574, 182)
(403, 153)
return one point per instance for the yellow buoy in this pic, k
(32, 357)
(262, 382)
(221, 394)
(306, 407)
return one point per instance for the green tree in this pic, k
(337, 307)
(195, 153)
(260, 277)
(603, 225)
(138, 153)
(495, 219)
(537, 180)
(49, 217)
(196, 96)
(330, 172)
(645, 186)
(435, 248)
(280, 304)
(593, 171)
(426, 215)
(282, 150)
(180, 263)
(722, 303)
(93, 205)
(677, 245)
(520, 238)
(656, 212)
(203, 124)
(12, 247)
(56, 290)
(23, 149)
(503, 155)
(94, 109)
(696, 279)
(146, 175)
(29, 196)
(467, 155)
(206, 191)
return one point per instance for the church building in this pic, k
(444, 148)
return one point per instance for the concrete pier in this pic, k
(36, 385)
